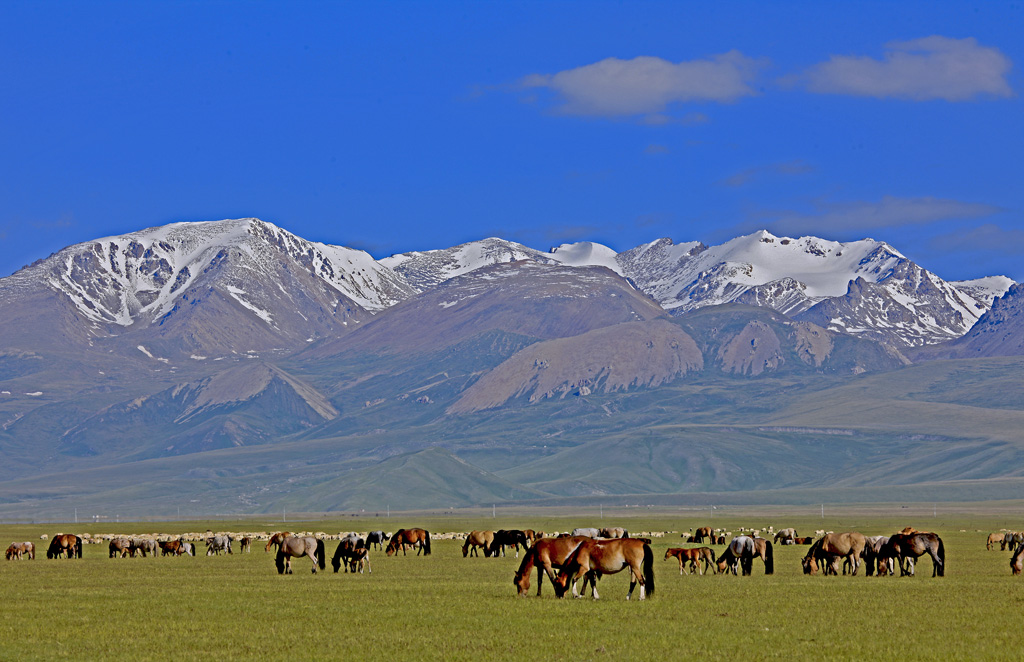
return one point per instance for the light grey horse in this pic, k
(218, 544)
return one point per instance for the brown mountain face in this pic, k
(616, 358)
(999, 332)
(525, 298)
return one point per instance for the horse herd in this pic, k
(585, 553)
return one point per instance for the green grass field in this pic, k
(447, 607)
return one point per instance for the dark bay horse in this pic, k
(417, 538)
(296, 547)
(593, 558)
(477, 540)
(508, 538)
(741, 553)
(904, 546)
(352, 553)
(693, 556)
(65, 544)
(547, 554)
(830, 548)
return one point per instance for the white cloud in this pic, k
(933, 67)
(646, 85)
(887, 213)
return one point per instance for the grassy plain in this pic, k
(447, 607)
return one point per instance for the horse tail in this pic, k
(336, 560)
(713, 560)
(426, 543)
(648, 571)
(321, 554)
(279, 561)
(941, 569)
(78, 547)
(769, 559)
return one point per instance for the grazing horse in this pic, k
(245, 545)
(831, 547)
(1011, 539)
(872, 555)
(693, 556)
(277, 539)
(172, 547)
(418, 538)
(293, 546)
(377, 538)
(994, 538)
(18, 550)
(905, 547)
(594, 558)
(477, 540)
(120, 547)
(1016, 561)
(351, 553)
(508, 538)
(218, 544)
(786, 536)
(703, 533)
(741, 552)
(547, 554)
(65, 544)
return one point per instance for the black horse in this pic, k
(377, 538)
(508, 538)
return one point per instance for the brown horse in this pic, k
(741, 553)
(19, 550)
(120, 547)
(66, 544)
(904, 547)
(477, 540)
(276, 539)
(417, 538)
(831, 547)
(245, 544)
(703, 533)
(547, 554)
(594, 558)
(351, 553)
(693, 556)
(307, 546)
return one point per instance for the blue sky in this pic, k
(396, 126)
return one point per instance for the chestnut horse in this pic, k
(65, 544)
(418, 538)
(904, 547)
(831, 547)
(693, 556)
(593, 558)
(19, 550)
(741, 552)
(477, 540)
(547, 554)
(307, 546)
(277, 539)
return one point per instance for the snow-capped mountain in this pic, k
(865, 287)
(215, 286)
